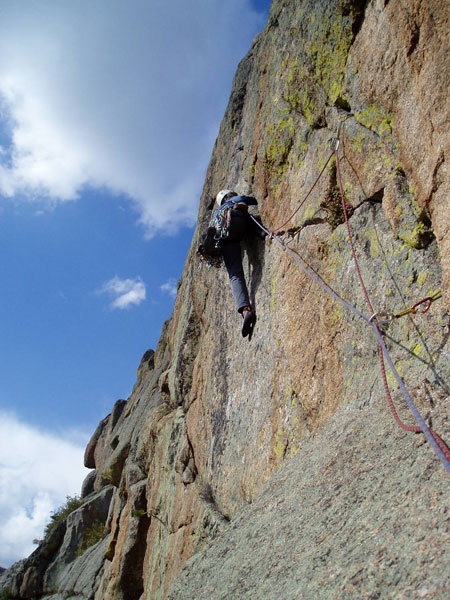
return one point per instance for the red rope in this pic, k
(306, 197)
(412, 428)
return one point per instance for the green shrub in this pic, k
(61, 514)
(91, 535)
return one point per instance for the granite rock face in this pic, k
(275, 468)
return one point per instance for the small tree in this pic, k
(61, 513)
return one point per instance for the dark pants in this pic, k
(232, 256)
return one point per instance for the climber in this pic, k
(237, 224)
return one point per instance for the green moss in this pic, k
(280, 140)
(289, 396)
(422, 278)
(280, 445)
(297, 92)
(391, 161)
(417, 237)
(91, 536)
(292, 94)
(418, 350)
(402, 252)
(348, 189)
(302, 148)
(374, 245)
(392, 381)
(328, 51)
(316, 79)
(376, 119)
(335, 316)
(434, 293)
(398, 212)
(112, 474)
(356, 141)
(310, 212)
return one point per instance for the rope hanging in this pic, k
(438, 445)
(442, 451)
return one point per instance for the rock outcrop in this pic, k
(275, 468)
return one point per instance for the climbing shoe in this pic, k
(249, 323)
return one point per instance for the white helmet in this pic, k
(224, 195)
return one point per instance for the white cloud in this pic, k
(38, 471)
(170, 287)
(126, 292)
(122, 96)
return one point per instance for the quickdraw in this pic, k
(413, 309)
(384, 317)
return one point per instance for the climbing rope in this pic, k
(334, 145)
(435, 441)
(306, 197)
(438, 445)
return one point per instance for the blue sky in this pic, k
(108, 115)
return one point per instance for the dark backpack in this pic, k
(210, 249)
(220, 221)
